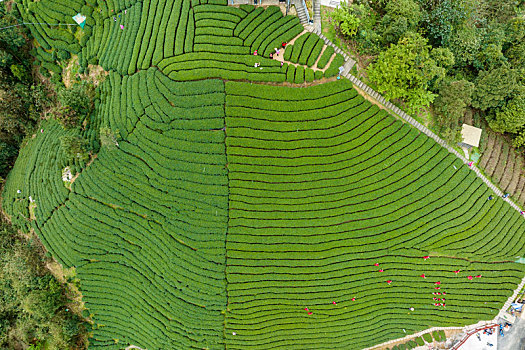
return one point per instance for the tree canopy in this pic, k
(406, 70)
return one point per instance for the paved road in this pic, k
(514, 339)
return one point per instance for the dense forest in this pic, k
(451, 55)
(34, 305)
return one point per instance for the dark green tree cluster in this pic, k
(32, 302)
(454, 54)
(21, 101)
(74, 104)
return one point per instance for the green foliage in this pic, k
(345, 19)
(405, 71)
(400, 16)
(299, 75)
(511, 117)
(33, 301)
(411, 181)
(325, 57)
(75, 148)
(441, 18)
(333, 70)
(465, 44)
(450, 105)
(494, 87)
(290, 73)
(420, 342)
(66, 116)
(436, 336)
(108, 138)
(79, 97)
(309, 75)
(427, 337)
(7, 156)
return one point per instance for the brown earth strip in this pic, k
(519, 189)
(502, 163)
(509, 170)
(521, 200)
(516, 175)
(487, 151)
(494, 157)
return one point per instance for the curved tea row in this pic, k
(324, 186)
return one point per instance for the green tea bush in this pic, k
(299, 75)
(428, 337)
(333, 70)
(297, 154)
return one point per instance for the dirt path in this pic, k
(280, 57)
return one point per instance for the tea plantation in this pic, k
(230, 211)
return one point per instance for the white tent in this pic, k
(471, 135)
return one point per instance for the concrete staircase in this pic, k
(317, 15)
(348, 66)
(302, 11)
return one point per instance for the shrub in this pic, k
(288, 52)
(316, 51)
(75, 148)
(442, 336)
(420, 341)
(309, 75)
(299, 75)
(436, 336)
(427, 337)
(290, 73)
(333, 70)
(298, 47)
(318, 75)
(67, 117)
(325, 57)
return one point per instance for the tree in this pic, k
(345, 19)
(79, 97)
(7, 156)
(511, 117)
(75, 148)
(32, 301)
(406, 70)
(514, 47)
(400, 16)
(450, 105)
(494, 87)
(465, 43)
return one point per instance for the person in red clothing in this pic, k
(283, 44)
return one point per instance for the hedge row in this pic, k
(167, 177)
(333, 70)
(323, 186)
(325, 57)
(194, 66)
(299, 74)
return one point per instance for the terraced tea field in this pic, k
(231, 211)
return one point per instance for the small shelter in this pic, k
(80, 19)
(470, 136)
